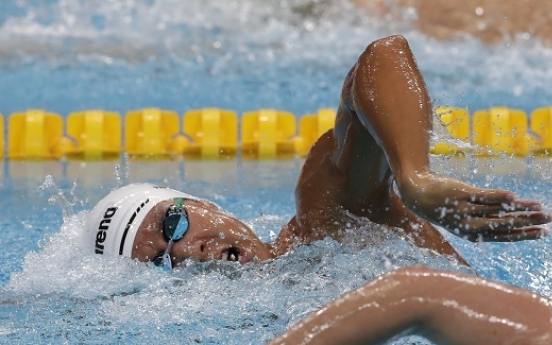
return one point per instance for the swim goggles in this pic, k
(175, 226)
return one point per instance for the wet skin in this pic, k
(443, 307)
(212, 235)
(373, 164)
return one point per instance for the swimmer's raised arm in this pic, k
(374, 163)
(389, 96)
(446, 308)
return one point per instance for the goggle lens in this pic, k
(175, 226)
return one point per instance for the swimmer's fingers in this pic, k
(505, 198)
(511, 235)
(479, 210)
(521, 219)
(513, 227)
(477, 195)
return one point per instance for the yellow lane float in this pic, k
(36, 134)
(311, 127)
(541, 124)
(267, 133)
(212, 133)
(502, 130)
(96, 133)
(150, 132)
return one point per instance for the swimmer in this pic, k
(374, 164)
(443, 307)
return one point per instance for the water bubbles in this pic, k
(410, 13)
(58, 198)
(26, 225)
(518, 90)
(47, 184)
(489, 180)
(118, 173)
(122, 171)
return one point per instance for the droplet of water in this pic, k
(48, 183)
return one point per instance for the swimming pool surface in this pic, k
(291, 55)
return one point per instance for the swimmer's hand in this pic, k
(476, 214)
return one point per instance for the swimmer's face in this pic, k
(212, 235)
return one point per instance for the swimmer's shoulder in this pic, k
(321, 182)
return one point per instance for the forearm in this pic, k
(371, 314)
(468, 310)
(445, 307)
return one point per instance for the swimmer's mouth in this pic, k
(235, 254)
(231, 254)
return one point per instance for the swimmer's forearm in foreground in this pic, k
(446, 308)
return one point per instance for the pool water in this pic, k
(51, 293)
(292, 55)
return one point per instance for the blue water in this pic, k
(65, 56)
(70, 55)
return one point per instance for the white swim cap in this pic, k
(112, 224)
